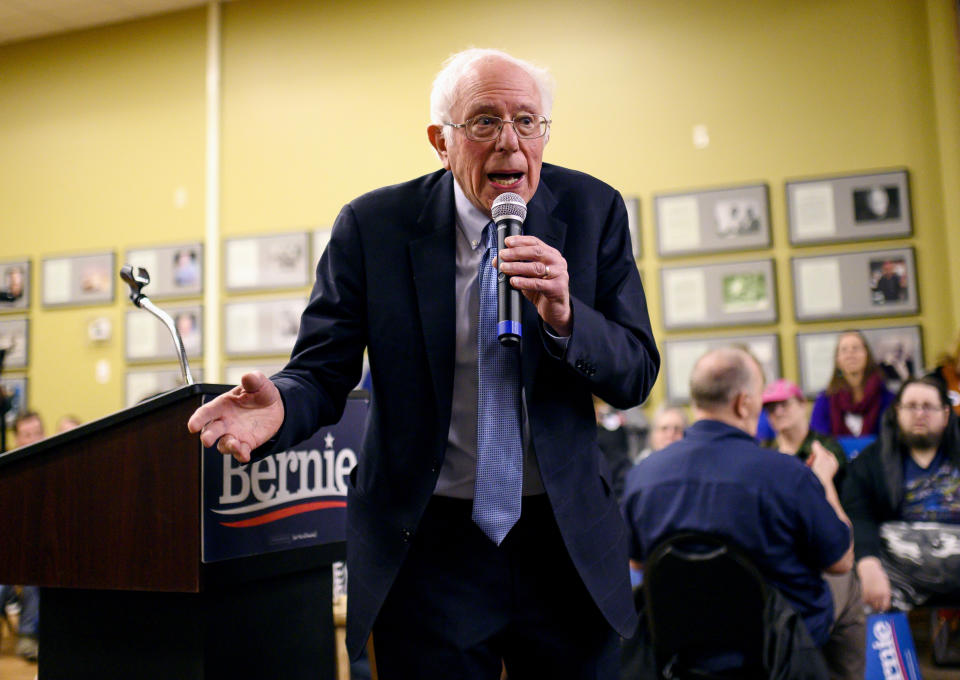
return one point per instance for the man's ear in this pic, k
(739, 407)
(439, 142)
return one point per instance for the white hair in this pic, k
(445, 85)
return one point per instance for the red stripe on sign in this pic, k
(285, 512)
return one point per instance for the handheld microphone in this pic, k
(509, 211)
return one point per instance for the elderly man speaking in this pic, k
(481, 525)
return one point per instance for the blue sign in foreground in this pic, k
(291, 499)
(891, 654)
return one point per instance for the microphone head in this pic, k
(508, 206)
(136, 278)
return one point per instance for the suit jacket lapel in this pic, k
(541, 223)
(433, 261)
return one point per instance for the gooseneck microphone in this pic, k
(509, 211)
(137, 278)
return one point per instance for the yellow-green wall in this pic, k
(98, 129)
(322, 101)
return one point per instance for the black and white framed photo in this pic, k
(147, 339)
(853, 285)
(714, 220)
(728, 294)
(898, 350)
(849, 208)
(141, 384)
(268, 262)
(633, 221)
(14, 285)
(14, 338)
(681, 355)
(262, 327)
(79, 279)
(15, 390)
(175, 270)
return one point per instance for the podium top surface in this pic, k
(105, 423)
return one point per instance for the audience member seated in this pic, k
(785, 406)
(856, 397)
(784, 514)
(669, 424)
(27, 429)
(613, 442)
(68, 422)
(29, 604)
(903, 496)
(948, 372)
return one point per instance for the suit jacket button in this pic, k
(406, 534)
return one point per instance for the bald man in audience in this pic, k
(786, 515)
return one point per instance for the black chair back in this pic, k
(704, 597)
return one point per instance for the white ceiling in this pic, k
(24, 19)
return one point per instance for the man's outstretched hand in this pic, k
(241, 419)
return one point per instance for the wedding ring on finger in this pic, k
(546, 272)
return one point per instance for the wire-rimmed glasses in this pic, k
(486, 128)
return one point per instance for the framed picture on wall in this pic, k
(681, 355)
(14, 285)
(262, 327)
(268, 262)
(79, 279)
(175, 270)
(14, 339)
(898, 350)
(727, 294)
(15, 389)
(852, 285)
(147, 339)
(233, 372)
(147, 383)
(321, 237)
(849, 208)
(713, 220)
(633, 221)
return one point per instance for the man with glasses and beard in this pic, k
(902, 494)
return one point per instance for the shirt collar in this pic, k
(711, 429)
(470, 220)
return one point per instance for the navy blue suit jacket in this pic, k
(386, 282)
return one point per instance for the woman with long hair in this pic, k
(948, 372)
(856, 397)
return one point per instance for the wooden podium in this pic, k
(107, 519)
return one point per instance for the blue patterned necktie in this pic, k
(499, 484)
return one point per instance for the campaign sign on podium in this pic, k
(291, 499)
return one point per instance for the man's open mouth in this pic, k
(505, 179)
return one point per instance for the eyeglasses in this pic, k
(921, 408)
(484, 128)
